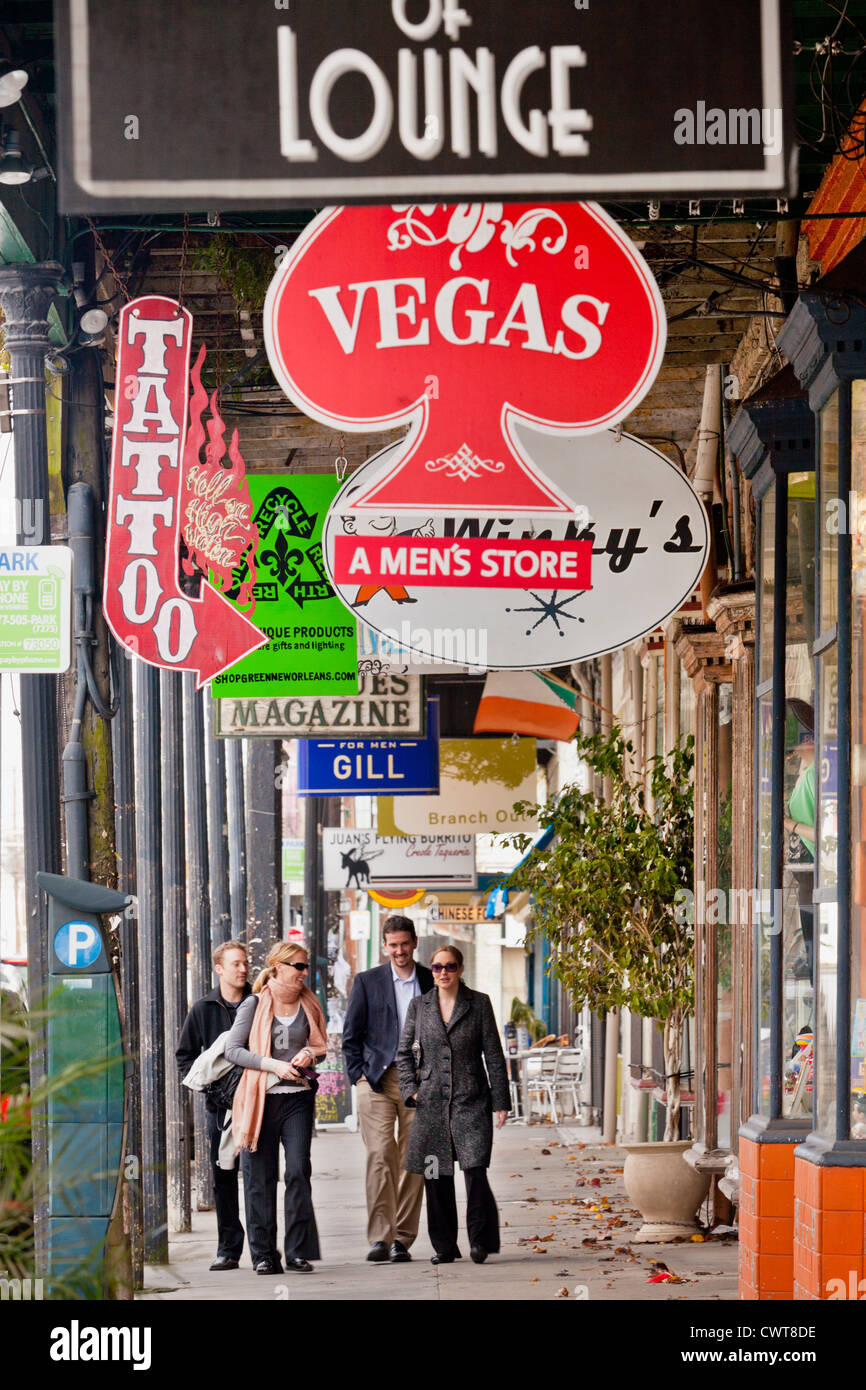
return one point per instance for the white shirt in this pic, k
(404, 993)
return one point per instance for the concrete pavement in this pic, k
(547, 1181)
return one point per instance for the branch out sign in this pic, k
(311, 103)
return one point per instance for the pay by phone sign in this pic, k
(35, 601)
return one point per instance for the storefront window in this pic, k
(764, 736)
(798, 797)
(724, 955)
(833, 519)
(857, 502)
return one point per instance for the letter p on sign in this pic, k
(77, 945)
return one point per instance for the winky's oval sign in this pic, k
(462, 322)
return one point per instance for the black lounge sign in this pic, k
(233, 103)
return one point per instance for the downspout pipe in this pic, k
(74, 760)
(704, 480)
(734, 475)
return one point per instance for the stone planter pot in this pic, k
(664, 1188)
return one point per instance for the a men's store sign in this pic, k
(363, 767)
(387, 706)
(389, 100)
(162, 492)
(644, 536)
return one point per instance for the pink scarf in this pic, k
(249, 1101)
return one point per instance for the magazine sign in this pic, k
(361, 859)
(154, 467)
(387, 705)
(298, 102)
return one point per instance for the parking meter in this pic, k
(85, 1112)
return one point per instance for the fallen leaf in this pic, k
(545, 1151)
(534, 1279)
(696, 1239)
(595, 1182)
(562, 1293)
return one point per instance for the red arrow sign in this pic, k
(144, 605)
(464, 322)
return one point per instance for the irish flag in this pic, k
(527, 702)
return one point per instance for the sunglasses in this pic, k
(451, 966)
(297, 965)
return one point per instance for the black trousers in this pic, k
(230, 1232)
(288, 1120)
(482, 1216)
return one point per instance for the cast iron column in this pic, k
(148, 836)
(265, 838)
(217, 821)
(174, 938)
(26, 292)
(198, 906)
(123, 756)
(237, 837)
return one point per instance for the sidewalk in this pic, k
(546, 1180)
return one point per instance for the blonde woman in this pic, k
(280, 1028)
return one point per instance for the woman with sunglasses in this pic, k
(280, 1028)
(451, 1067)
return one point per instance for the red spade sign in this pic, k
(144, 605)
(462, 322)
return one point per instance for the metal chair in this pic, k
(541, 1081)
(569, 1077)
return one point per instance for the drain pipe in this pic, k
(704, 480)
(734, 475)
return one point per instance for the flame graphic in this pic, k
(216, 508)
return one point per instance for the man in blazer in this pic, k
(378, 1005)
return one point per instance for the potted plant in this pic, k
(608, 894)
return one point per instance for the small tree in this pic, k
(610, 888)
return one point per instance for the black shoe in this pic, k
(398, 1253)
(299, 1265)
(445, 1259)
(224, 1262)
(378, 1252)
(478, 1254)
(269, 1267)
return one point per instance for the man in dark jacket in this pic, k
(210, 1016)
(378, 1005)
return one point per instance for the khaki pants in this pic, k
(393, 1196)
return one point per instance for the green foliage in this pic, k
(246, 271)
(525, 1017)
(606, 890)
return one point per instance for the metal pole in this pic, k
(174, 940)
(312, 815)
(611, 1035)
(26, 292)
(237, 836)
(198, 906)
(217, 823)
(123, 756)
(148, 828)
(264, 837)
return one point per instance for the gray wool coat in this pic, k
(456, 1096)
